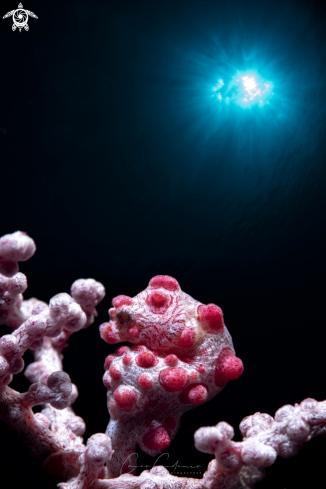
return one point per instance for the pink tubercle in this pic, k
(127, 360)
(194, 394)
(145, 381)
(187, 337)
(108, 335)
(228, 367)
(193, 375)
(121, 300)
(164, 281)
(122, 350)
(157, 439)
(146, 359)
(115, 373)
(157, 299)
(106, 381)
(211, 316)
(125, 398)
(134, 332)
(109, 359)
(201, 369)
(173, 379)
(171, 360)
(197, 395)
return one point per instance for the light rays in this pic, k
(245, 89)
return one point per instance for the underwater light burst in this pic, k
(245, 89)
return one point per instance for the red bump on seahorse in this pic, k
(182, 356)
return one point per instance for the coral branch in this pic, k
(15, 408)
(14, 248)
(182, 356)
(63, 312)
(48, 357)
(97, 453)
(45, 330)
(265, 437)
(57, 392)
(160, 478)
(88, 294)
(68, 427)
(237, 464)
(64, 423)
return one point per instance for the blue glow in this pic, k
(245, 89)
(230, 100)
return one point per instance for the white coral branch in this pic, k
(236, 464)
(13, 248)
(15, 408)
(68, 427)
(97, 453)
(45, 330)
(57, 431)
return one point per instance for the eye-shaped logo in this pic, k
(20, 18)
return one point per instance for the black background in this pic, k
(106, 166)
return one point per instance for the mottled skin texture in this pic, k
(183, 356)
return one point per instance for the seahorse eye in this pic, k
(123, 317)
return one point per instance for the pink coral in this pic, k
(14, 248)
(183, 356)
(265, 437)
(44, 329)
